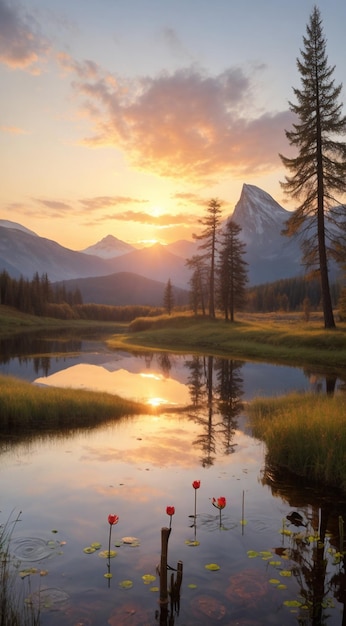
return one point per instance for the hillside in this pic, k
(124, 288)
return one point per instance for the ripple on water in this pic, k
(32, 549)
(51, 599)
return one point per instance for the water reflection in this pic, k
(316, 544)
(136, 466)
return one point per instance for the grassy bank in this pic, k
(27, 408)
(305, 434)
(278, 339)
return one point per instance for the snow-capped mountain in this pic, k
(109, 247)
(8, 224)
(270, 255)
(258, 214)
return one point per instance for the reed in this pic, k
(305, 434)
(14, 611)
(26, 407)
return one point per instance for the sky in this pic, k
(125, 117)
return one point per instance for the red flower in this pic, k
(196, 484)
(170, 510)
(220, 503)
(113, 519)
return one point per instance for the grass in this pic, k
(13, 322)
(305, 434)
(14, 611)
(25, 408)
(278, 339)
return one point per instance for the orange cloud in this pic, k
(185, 125)
(165, 219)
(101, 202)
(13, 130)
(21, 44)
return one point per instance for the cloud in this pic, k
(185, 125)
(165, 219)
(13, 130)
(101, 202)
(21, 44)
(55, 205)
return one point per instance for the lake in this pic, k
(271, 556)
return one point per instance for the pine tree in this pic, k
(232, 274)
(319, 170)
(211, 223)
(168, 298)
(198, 282)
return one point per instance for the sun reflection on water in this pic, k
(153, 388)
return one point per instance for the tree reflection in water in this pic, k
(221, 398)
(314, 549)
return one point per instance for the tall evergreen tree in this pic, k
(198, 282)
(211, 222)
(232, 274)
(319, 169)
(168, 297)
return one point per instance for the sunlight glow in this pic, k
(148, 242)
(156, 401)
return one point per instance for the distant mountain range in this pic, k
(270, 256)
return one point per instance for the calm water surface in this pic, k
(271, 571)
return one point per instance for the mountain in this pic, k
(156, 263)
(109, 247)
(184, 248)
(8, 224)
(124, 288)
(23, 254)
(269, 254)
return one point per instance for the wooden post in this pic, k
(165, 532)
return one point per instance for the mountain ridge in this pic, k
(270, 255)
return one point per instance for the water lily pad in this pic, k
(282, 586)
(292, 603)
(154, 589)
(286, 572)
(265, 554)
(252, 554)
(130, 540)
(212, 567)
(275, 563)
(27, 572)
(274, 581)
(108, 575)
(148, 578)
(95, 545)
(107, 554)
(89, 550)
(126, 584)
(192, 586)
(192, 543)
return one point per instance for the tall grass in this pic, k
(305, 434)
(14, 611)
(25, 407)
